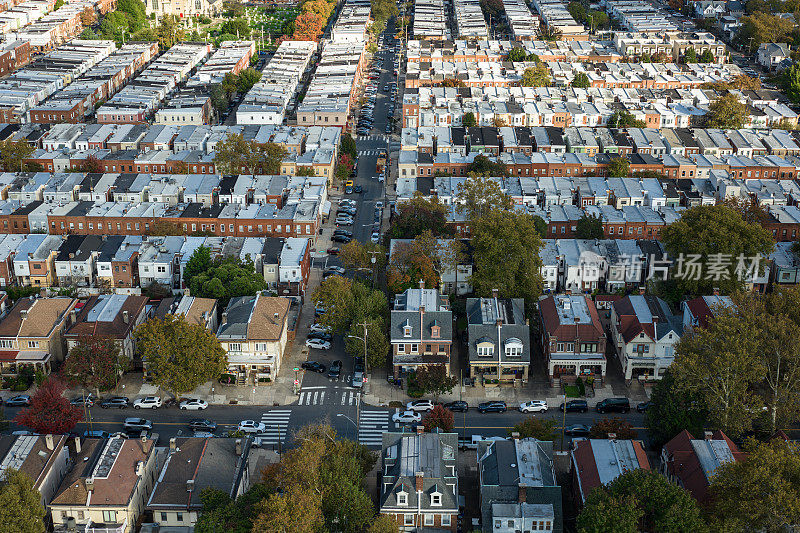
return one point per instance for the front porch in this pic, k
(499, 373)
(12, 362)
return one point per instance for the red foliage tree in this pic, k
(49, 411)
(308, 27)
(92, 164)
(619, 427)
(95, 362)
(439, 417)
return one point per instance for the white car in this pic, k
(420, 405)
(406, 417)
(318, 344)
(533, 406)
(148, 402)
(251, 426)
(376, 237)
(193, 405)
(319, 328)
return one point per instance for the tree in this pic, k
(246, 79)
(12, 153)
(383, 9)
(716, 363)
(617, 426)
(180, 356)
(641, 500)
(88, 17)
(433, 379)
(506, 256)
(619, 167)
(536, 76)
(748, 208)
(49, 411)
(581, 81)
(759, 493)
(308, 27)
(169, 31)
(219, 99)
(726, 112)
(478, 196)
(536, 428)
(227, 278)
(95, 362)
(624, 119)
(499, 122)
(198, 262)
(673, 410)
(483, 166)
(790, 80)
(516, 54)
(720, 241)
(493, 7)
(92, 164)
(707, 56)
(377, 343)
(221, 513)
(347, 302)
(344, 167)
(424, 259)
(452, 82)
(417, 215)
(235, 154)
(468, 120)
(383, 524)
(296, 509)
(550, 33)
(690, 56)
(347, 146)
(233, 8)
(589, 227)
(439, 418)
(541, 226)
(764, 28)
(21, 507)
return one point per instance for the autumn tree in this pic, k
(749, 208)
(640, 500)
(726, 112)
(536, 76)
(417, 215)
(12, 153)
(425, 259)
(179, 356)
(764, 28)
(308, 27)
(49, 411)
(759, 493)
(21, 509)
(477, 197)
(439, 418)
(235, 154)
(95, 362)
(535, 428)
(604, 427)
(434, 379)
(365, 256)
(506, 248)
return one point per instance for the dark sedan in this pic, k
(492, 407)
(644, 406)
(336, 369)
(116, 402)
(576, 430)
(575, 406)
(341, 238)
(457, 406)
(201, 424)
(320, 335)
(314, 366)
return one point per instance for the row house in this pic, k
(421, 330)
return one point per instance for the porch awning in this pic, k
(250, 359)
(32, 356)
(8, 355)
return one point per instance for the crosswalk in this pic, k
(333, 396)
(276, 421)
(371, 138)
(369, 152)
(372, 425)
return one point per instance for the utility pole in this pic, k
(563, 421)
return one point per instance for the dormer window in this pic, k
(485, 347)
(407, 328)
(513, 347)
(402, 498)
(436, 331)
(436, 499)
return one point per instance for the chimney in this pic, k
(73, 316)
(173, 444)
(77, 445)
(144, 437)
(48, 439)
(612, 436)
(716, 291)
(89, 484)
(522, 494)
(495, 292)
(238, 447)
(515, 435)
(23, 314)
(126, 317)
(708, 435)
(418, 476)
(139, 468)
(224, 317)
(421, 284)
(189, 485)
(642, 290)
(420, 429)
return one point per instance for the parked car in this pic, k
(202, 424)
(358, 189)
(313, 366)
(613, 405)
(251, 426)
(576, 430)
(319, 344)
(376, 237)
(19, 400)
(644, 406)
(406, 417)
(533, 406)
(336, 270)
(319, 328)
(493, 407)
(344, 239)
(335, 369)
(343, 222)
(358, 380)
(137, 424)
(115, 402)
(193, 405)
(95, 434)
(321, 335)
(457, 406)
(420, 405)
(148, 402)
(332, 251)
(574, 406)
(342, 231)
(80, 401)
(358, 364)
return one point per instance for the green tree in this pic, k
(624, 119)
(619, 167)
(581, 81)
(516, 54)
(417, 215)
(246, 79)
(235, 153)
(468, 120)
(536, 76)
(478, 196)
(348, 302)
(21, 507)
(714, 233)
(227, 278)
(95, 362)
(760, 493)
(58, 4)
(541, 226)
(348, 146)
(180, 356)
(198, 262)
(690, 56)
(706, 57)
(439, 418)
(790, 80)
(483, 166)
(602, 428)
(221, 513)
(536, 428)
(727, 112)
(673, 410)
(377, 343)
(506, 256)
(219, 99)
(716, 363)
(238, 26)
(434, 379)
(641, 500)
(384, 524)
(589, 227)
(12, 153)
(169, 32)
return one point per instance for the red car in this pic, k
(333, 251)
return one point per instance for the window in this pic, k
(235, 347)
(485, 351)
(414, 348)
(406, 331)
(436, 499)
(163, 517)
(33, 344)
(80, 515)
(6, 343)
(445, 520)
(401, 348)
(402, 498)
(408, 520)
(428, 521)
(161, 269)
(560, 347)
(179, 517)
(109, 517)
